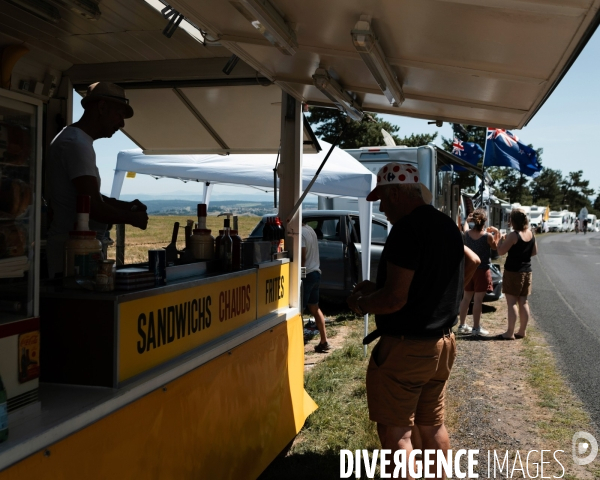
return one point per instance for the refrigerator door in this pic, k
(20, 187)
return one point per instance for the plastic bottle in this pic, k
(281, 235)
(3, 413)
(236, 257)
(226, 245)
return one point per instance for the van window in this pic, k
(374, 156)
(378, 233)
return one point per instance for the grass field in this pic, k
(159, 232)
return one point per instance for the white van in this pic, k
(536, 216)
(592, 220)
(555, 222)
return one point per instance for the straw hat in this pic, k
(107, 91)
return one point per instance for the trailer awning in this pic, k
(479, 62)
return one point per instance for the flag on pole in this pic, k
(468, 151)
(503, 149)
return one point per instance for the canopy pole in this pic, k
(208, 186)
(365, 212)
(314, 179)
(290, 186)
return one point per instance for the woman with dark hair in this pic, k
(480, 241)
(516, 281)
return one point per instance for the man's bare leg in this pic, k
(316, 312)
(435, 438)
(396, 438)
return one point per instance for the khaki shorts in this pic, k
(406, 380)
(516, 283)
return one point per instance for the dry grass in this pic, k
(159, 232)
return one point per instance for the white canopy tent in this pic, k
(342, 175)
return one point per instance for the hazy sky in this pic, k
(565, 128)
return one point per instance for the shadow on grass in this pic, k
(302, 466)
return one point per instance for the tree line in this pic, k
(550, 188)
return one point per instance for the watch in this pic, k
(358, 309)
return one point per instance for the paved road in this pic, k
(566, 304)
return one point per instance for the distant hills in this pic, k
(186, 206)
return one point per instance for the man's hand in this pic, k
(365, 287)
(140, 220)
(137, 206)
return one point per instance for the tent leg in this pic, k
(120, 247)
(290, 186)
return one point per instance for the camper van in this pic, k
(536, 217)
(592, 221)
(558, 221)
(434, 164)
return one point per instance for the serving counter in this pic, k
(178, 371)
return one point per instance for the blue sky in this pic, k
(565, 128)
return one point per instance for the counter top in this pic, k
(51, 290)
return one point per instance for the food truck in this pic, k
(203, 377)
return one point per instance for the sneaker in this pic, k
(479, 331)
(464, 329)
(322, 347)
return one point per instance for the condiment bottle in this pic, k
(202, 216)
(236, 256)
(281, 235)
(203, 244)
(3, 413)
(83, 250)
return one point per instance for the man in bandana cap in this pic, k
(415, 300)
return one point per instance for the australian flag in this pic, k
(503, 149)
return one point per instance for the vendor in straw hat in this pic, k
(71, 171)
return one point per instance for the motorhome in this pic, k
(435, 167)
(592, 221)
(571, 222)
(536, 217)
(557, 222)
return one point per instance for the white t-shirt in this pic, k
(310, 241)
(70, 155)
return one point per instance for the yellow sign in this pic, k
(130, 175)
(156, 329)
(273, 288)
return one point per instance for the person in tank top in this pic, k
(516, 282)
(481, 241)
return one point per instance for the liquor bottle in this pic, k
(3, 413)
(226, 246)
(236, 256)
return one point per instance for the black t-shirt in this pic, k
(429, 243)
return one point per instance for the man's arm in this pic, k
(139, 206)
(391, 298)
(104, 212)
(472, 261)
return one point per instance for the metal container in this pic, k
(157, 263)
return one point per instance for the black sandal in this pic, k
(322, 347)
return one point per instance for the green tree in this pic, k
(576, 191)
(329, 123)
(596, 206)
(514, 186)
(546, 189)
